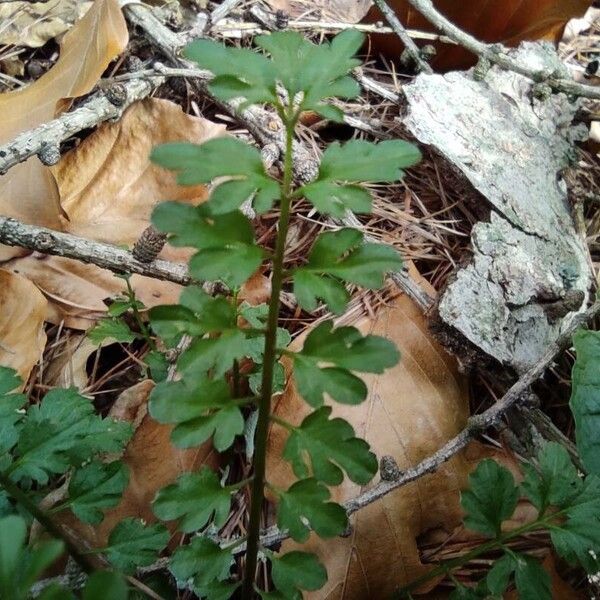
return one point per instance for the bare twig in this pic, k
(498, 54)
(107, 256)
(411, 48)
(97, 109)
(221, 11)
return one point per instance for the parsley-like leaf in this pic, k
(203, 560)
(531, 579)
(342, 254)
(346, 349)
(296, 571)
(96, 486)
(498, 576)
(227, 251)
(202, 163)
(491, 498)
(133, 544)
(194, 498)
(328, 446)
(307, 500)
(110, 329)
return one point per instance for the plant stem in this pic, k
(138, 318)
(270, 356)
(47, 523)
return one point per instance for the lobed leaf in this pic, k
(194, 499)
(132, 544)
(227, 251)
(11, 408)
(96, 486)
(305, 504)
(491, 498)
(112, 329)
(328, 446)
(342, 254)
(531, 579)
(297, 571)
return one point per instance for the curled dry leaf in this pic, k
(28, 191)
(412, 410)
(506, 21)
(22, 312)
(152, 460)
(32, 24)
(108, 189)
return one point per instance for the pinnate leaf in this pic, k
(133, 544)
(202, 560)
(342, 255)
(221, 157)
(225, 241)
(326, 446)
(307, 499)
(491, 498)
(113, 329)
(195, 499)
(585, 398)
(297, 571)
(96, 486)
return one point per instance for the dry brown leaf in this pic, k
(506, 21)
(108, 188)
(152, 460)
(22, 312)
(412, 410)
(32, 24)
(28, 191)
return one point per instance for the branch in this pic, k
(498, 54)
(107, 256)
(411, 48)
(97, 109)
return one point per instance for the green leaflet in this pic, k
(200, 408)
(307, 499)
(221, 157)
(498, 576)
(197, 314)
(106, 585)
(96, 486)
(194, 499)
(203, 561)
(133, 544)
(297, 571)
(532, 581)
(354, 161)
(342, 255)
(328, 446)
(63, 431)
(491, 498)
(557, 482)
(585, 398)
(11, 413)
(227, 251)
(346, 349)
(20, 567)
(111, 329)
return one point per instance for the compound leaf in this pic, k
(491, 498)
(306, 502)
(114, 329)
(328, 446)
(133, 544)
(296, 571)
(95, 486)
(194, 499)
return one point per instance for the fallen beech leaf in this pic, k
(412, 410)
(32, 24)
(152, 460)
(257, 290)
(108, 188)
(506, 21)
(28, 191)
(22, 312)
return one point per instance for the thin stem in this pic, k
(136, 315)
(270, 356)
(281, 422)
(47, 523)
(236, 364)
